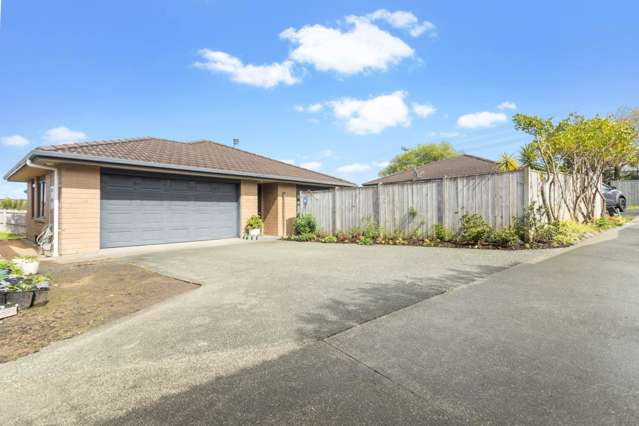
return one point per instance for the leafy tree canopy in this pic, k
(418, 156)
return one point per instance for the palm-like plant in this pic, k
(507, 163)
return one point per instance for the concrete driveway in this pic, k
(309, 333)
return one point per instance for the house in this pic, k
(131, 192)
(461, 165)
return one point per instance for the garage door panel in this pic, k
(138, 210)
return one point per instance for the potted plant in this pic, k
(28, 264)
(254, 225)
(20, 294)
(41, 290)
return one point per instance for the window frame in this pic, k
(41, 193)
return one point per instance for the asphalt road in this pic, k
(309, 333)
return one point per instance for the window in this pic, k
(32, 198)
(42, 197)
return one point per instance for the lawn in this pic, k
(83, 296)
(9, 236)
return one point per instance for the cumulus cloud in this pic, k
(312, 165)
(423, 110)
(354, 168)
(444, 134)
(507, 105)
(481, 119)
(313, 108)
(404, 20)
(373, 115)
(361, 47)
(59, 135)
(14, 140)
(381, 164)
(254, 75)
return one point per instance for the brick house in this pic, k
(131, 192)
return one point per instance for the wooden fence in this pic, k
(13, 221)
(630, 189)
(415, 207)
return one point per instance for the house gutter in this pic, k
(104, 160)
(56, 203)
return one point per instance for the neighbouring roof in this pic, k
(200, 156)
(461, 165)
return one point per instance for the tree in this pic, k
(418, 156)
(631, 117)
(507, 163)
(573, 155)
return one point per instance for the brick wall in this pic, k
(248, 202)
(79, 209)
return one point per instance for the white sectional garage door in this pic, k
(140, 209)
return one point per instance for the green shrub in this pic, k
(473, 229)
(442, 234)
(305, 224)
(506, 237)
(329, 239)
(304, 237)
(254, 222)
(365, 241)
(530, 223)
(569, 232)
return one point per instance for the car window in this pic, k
(605, 188)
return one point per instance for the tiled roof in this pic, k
(202, 154)
(461, 165)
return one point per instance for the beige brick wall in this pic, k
(79, 209)
(248, 202)
(279, 203)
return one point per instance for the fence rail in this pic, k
(499, 198)
(630, 189)
(13, 221)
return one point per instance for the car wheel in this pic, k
(622, 204)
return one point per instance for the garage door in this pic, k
(146, 209)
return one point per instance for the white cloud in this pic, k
(14, 140)
(481, 119)
(313, 108)
(327, 153)
(444, 134)
(254, 75)
(423, 110)
(59, 135)
(361, 47)
(288, 161)
(507, 105)
(354, 168)
(404, 20)
(373, 115)
(381, 164)
(312, 165)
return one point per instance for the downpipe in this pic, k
(56, 203)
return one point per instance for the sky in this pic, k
(339, 87)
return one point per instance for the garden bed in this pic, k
(81, 297)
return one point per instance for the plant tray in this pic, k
(8, 311)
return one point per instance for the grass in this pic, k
(9, 236)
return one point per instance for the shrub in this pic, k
(608, 222)
(442, 234)
(304, 237)
(329, 239)
(365, 241)
(305, 224)
(473, 229)
(506, 237)
(254, 222)
(530, 223)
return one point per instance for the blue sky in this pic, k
(336, 86)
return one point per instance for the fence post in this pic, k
(441, 206)
(380, 210)
(334, 212)
(526, 176)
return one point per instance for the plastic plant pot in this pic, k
(23, 299)
(40, 297)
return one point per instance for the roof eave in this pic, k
(118, 161)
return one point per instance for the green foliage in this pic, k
(304, 237)
(305, 224)
(418, 156)
(507, 163)
(506, 237)
(365, 241)
(442, 234)
(473, 229)
(13, 204)
(328, 239)
(254, 222)
(528, 157)
(9, 236)
(530, 223)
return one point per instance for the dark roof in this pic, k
(203, 155)
(461, 165)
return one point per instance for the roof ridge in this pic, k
(478, 158)
(100, 142)
(272, 159)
